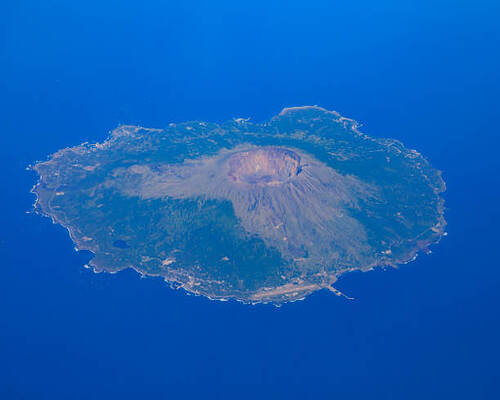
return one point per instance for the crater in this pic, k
(264, 166)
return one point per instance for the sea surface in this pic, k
(424, 72)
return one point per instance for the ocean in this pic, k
(425, 73)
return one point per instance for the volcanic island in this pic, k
(256, 212)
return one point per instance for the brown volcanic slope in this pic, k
(291, 200)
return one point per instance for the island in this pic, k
(256, 212)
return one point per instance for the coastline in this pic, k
(297, 292)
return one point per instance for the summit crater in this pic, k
(264, 166)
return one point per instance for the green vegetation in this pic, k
(201, 242)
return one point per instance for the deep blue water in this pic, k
(425, 72)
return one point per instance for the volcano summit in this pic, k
(255, 212)
(266, 166)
